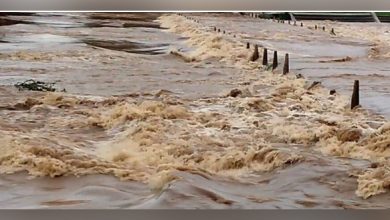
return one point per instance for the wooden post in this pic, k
(275, 61)
(219, 30)
(315, 27)
(301, 24)
(265, 57)
(215, 28)
(247, 45)
(255, 54)
(323, 28)
(286, 67)
(332, 32)
(355, 95)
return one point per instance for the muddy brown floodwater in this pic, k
(160, 111)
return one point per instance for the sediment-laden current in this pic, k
(161, 111)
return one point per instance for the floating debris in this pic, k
(33, 85)
(344, 59)
(235, 93)
(314, 84)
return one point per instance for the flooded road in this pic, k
(163, 112)
(315, 53)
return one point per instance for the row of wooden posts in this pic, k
(255, 56)
(316, 27)
(286, 67)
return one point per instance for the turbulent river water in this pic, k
(161, 111)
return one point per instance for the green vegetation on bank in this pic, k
(383, 14)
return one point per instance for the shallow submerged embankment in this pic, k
(328, 122)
